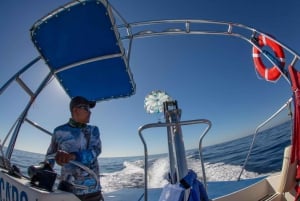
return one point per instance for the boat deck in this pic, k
(215, 190)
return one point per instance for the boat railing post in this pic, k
(171, 157)
(172, 161)
(285, 105)
(176, 145)
(170, 125)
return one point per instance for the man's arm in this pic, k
(61, 157)
(93, 150)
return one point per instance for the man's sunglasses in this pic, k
(85, 107)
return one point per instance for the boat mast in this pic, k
(178, 164)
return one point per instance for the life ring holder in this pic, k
(273, 73)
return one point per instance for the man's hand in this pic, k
(63, 157)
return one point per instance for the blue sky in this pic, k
(211, 77)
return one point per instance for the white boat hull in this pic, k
(20, 189)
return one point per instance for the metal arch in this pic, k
(155, 28)
(188, 28)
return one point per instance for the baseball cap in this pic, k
(79, 100)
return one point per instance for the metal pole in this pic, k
(18, 74)
(22, 117)
(172, 115)
(157, 125)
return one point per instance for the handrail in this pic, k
(195, 27)
(256, 132)
(187, 28)
(159, 124)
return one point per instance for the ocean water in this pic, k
(222, 161)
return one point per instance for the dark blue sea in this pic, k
(222, 161)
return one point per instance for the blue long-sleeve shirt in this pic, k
(85, 143)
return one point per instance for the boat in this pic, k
(100, 30)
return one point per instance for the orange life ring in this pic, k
(270, 74)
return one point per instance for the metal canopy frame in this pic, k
(81, 45)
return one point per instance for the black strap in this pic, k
(184, 184)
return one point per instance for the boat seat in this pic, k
(288, 173)
(286, 179)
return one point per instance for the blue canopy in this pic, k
(80, 43)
